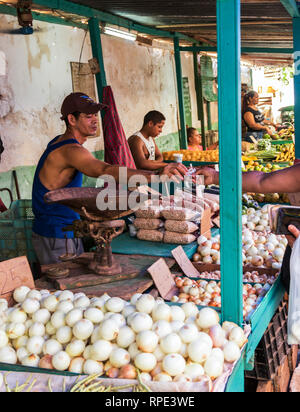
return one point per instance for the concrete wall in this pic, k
(35, 76)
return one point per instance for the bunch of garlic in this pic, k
(66, 331)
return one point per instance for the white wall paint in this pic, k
(38, 77)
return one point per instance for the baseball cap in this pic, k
(79, 102)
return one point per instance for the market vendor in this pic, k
(62, 165)
(145, 151)
(194, 139)
(282, 181)
(257, 125)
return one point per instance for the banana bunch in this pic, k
(287, 153)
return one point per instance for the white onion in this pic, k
(237, 335)
(8, 355)
(213, 367)
(30, 305)
(193, 370)
(65, 306)
(162, 328)
(108, 330)
(66, 295)
(146, 362)
(145, 303)
(119, 357)
(58, 319)
(170, 343)
(20, 294)
(15, 330)
(125, 337)
(82, 302)
(101, 350)
(147, 341)
(76, 365)
(42, 316)
(188, 333)
(190, 309)
(61, 361)
(94, 315)
(207, 318)
(162, 377)
(50, 303)
(161, 311)
(34, 294)
(31, 361)
(174, 364)
(217, 335)
(74, 316)
(115, 305)
(141, 321)
(51, 347)
(35, 345)
(3, 339)
(64, 334)
(177, 314)
(232, 352)
(36, 329)
(3, 305)
(199, 351)
(92, 367)
(83, 329)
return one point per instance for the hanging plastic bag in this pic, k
(294, 296)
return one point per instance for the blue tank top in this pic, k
(50, 219)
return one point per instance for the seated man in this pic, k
(62, 165)
(194, 139)
(142, 145)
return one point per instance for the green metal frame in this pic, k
(229, 51)
(291, 7)
(296, 31)
(182, 131)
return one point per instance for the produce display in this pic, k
(287, 153)
(194, 156)
(119, 339)
(253, 165)
(285, 134)
(252, 277)
(261, 248)
(208, 293)
(269, 198)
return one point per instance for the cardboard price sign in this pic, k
(163, 279)
(14, 273)
(184, 263)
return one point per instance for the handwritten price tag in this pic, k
(14, 273)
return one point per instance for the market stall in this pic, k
(87, 315)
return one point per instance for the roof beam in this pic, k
(74, 8)
(243, 50)
(291, 7)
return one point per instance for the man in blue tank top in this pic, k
(62, 165)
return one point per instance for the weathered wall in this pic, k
(35, 76)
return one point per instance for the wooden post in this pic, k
(229, 77)
(98, 54)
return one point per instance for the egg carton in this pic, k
(273, 348)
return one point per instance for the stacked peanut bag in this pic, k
(174, 220)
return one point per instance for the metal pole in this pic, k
(182, 131)
(296, 30)
(229, 77)
(199, 95)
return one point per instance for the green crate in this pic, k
(16, 231)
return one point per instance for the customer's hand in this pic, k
(211, 176)
(174, 171)
(295, 232)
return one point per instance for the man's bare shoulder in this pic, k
(135, 140)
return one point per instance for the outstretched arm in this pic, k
(282, 181)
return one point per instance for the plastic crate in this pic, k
(16, 231)
(273, 347)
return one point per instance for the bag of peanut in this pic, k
(149, 224)
(181, 226)
(150, 235)
(149, 213)
(179, 213)
(178, 238)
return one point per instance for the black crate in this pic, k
(273, 347)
